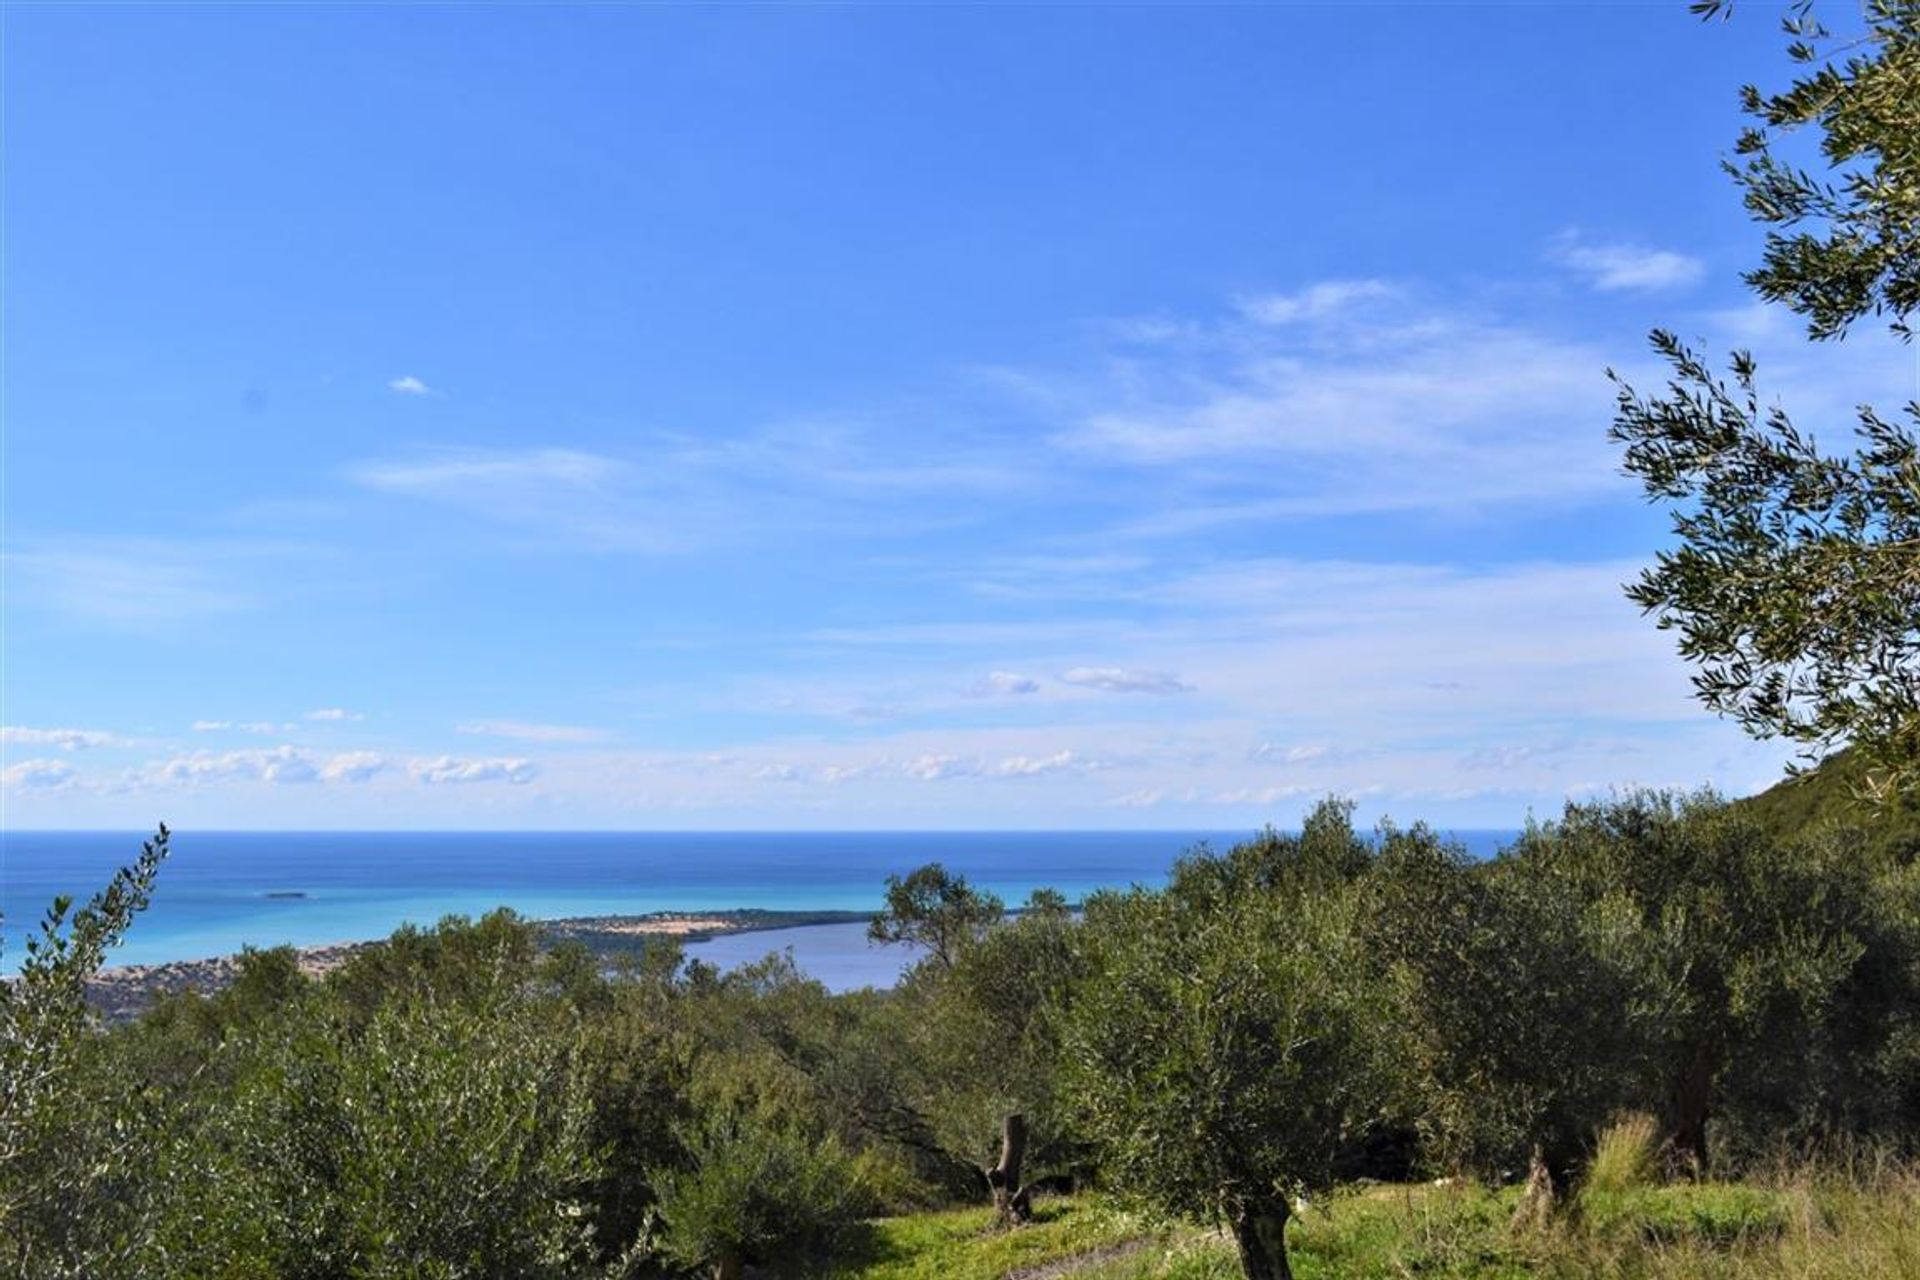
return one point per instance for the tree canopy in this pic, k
(1795, 581)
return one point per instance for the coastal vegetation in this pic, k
(1659, 1035)
(1651, 1037)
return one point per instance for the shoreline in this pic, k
(120, 993)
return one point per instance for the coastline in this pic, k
(120, 993)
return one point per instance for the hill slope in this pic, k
(1832, 794)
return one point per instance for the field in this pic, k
(1862, 1225)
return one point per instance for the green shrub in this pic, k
(435, 1140)
(761, 1186)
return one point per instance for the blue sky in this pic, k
(616, 416)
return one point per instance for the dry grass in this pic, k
(1626, 1156)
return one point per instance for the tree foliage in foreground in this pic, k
(66, 1152)
(1795, 584)
(1277, 1021)
(1795, 581)
(1847, 244)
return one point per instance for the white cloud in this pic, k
(335, 714)
(1125, 680)
(133, 584)
(241, 726)
(1613, 268)
(531, 732)
(282, 764)
(454, 769)
(353, 766)
(409, 386)
(38, 775)
(1301, 754)
(483, 475)
(256, 764)
(1006, 683)
(65, 739)
(1316, 302)
(939, 768)
(1034, 766)
(1397, 407)
(1262, 796)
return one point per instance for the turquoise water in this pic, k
(213, 893)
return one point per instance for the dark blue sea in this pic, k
(221, 890)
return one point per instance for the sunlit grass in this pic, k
(1802, 1225)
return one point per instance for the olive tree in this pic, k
(981, 1049)
(1517, 1037)
(71, 1139)
(1795, 580)
(935, 909)
(1737, 954)
(1230, 1049)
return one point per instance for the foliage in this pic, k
(1795, 582)
(434, 1138)
(1232, 1048)
(1513, 1034)
(1276, 1022)
(982, 1037)
(1842, 247)
(1740, 959)
(1835, 795)
(762, 1185)
(65, 1155)
(937, 910)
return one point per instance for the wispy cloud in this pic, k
(408, 385)
(1346, 397)
(1317, 302)
(241, 726)
(65, 739)
(335, 714)
(454, 769)
(135, 584)
(1125, 680)
(37, 775)
(1613, 268)
(1005, 684)
(481, 475)
(555, 733)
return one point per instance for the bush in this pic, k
(435, 1140)
(761, 1187)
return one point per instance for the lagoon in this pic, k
(222, 890)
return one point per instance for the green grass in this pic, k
(1803, 1227)
(967, 1244)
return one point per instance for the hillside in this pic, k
(1832, 794)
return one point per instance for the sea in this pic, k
(222, 890)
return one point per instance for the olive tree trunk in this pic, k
(1537, 1201)
(1012, 1199)
(1260, 1233)
(1692, 1099)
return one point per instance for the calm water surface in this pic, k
(222, 890)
